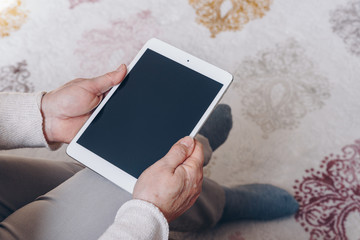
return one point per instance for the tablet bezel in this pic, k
(112, 172)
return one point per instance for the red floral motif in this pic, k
(329, 195)
(101, 50)
(74, 3)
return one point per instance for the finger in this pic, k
(196, 160)
(102, 84)
(179, 152)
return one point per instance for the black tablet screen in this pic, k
(159, 102)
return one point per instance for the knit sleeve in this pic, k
(21, 122)
(138, 219)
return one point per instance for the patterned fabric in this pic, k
(112, 43)
(15, 78)
(12, 16)
(221, 15)
(280, 86)
(330, 194)
(294, 98)
(345, 22)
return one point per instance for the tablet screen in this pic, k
(159, 102)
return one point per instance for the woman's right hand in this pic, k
(174, 182)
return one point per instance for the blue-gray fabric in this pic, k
(218, 125)
(257, 202)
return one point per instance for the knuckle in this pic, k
(198, 165)
(199, 189)
(199, 186)
(199, 193)
(180, 151)
(201, 178)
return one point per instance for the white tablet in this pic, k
(166, 95)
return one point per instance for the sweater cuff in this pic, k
(138, 219)
(21, 122)
(51, 146)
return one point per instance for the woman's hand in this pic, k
(67, 108)
(174, 182)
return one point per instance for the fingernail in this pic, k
(121, 68)
(187, 141)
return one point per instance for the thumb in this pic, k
(179, 152)
(101, 84)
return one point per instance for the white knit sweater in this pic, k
(21, 125)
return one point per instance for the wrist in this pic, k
(46, 126)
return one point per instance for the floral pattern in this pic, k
(275, 90)
(280, 86)
(346, 24)
(12, 18)
(228, 15)
(329, 195)
(100, 48)
(15, 78)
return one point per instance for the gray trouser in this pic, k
(41, 199)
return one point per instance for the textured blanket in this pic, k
(295, 96)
